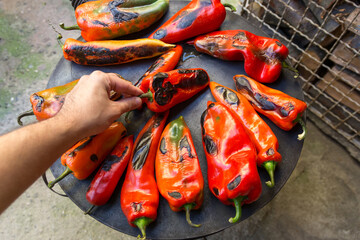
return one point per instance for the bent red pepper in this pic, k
(231, 158)
(198, 17)
(262, 56)
(166, 89)
(139, 194)
(260, 133)
(109, 19)
(108, 176)
(111, 52)
(85, 156)
(283, 110)
(178, 173)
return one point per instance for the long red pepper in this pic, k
(166, 89)
(283, 110)
(139, 194)
(178, 173)
(198, 17)
(85, 156)
(108, 176)
(260, 133)
(262, 56)
(231, 158)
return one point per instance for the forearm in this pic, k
(27, 152)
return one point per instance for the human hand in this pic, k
(88, 110)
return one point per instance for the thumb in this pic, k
(127, 104)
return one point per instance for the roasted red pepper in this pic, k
(139, 194)
(259, 132)
(283, 110)
(198, 17)
(166, 89)
(85, 156)
(262, 56)
(111, 52)
(164, 63)
(231, 158)
(47, 103)
(178, 173)
(109, 19)
(108, 176)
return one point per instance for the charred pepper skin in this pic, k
(112, 52)
(283, 110)
(260, 133)
(166, 89)
(110, 19)
(139, 193)
(198, 17)
(108, 176)
(84, 157)
(177, 167)
(231, 158)
(47, 103)
(262, 56)
(164, 63)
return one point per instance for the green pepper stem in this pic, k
(302, 135)
(237, 202)
(147, 95)
(141, 223)
(74, 27)
(285, 65)
(89, 210)
(270, 168)
(24, 114)
(188, 208)
(64, 174)
(232, 8)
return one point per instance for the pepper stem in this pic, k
(24, 114)
(64, 174)
(147, 95)
(74, 27)
(232, 8)
(141, 223)
(302, 135)
(237, 202)
(270, 168)
(285, 65)
(188, 208)
(89, 210)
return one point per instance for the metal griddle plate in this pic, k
(213, 215)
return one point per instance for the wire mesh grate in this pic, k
(323, 37)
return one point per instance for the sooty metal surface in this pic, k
(213, 215)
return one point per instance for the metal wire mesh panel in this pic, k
(323, 40)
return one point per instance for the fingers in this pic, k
(120, 85)
(127, 104)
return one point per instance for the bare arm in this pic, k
(27, 152)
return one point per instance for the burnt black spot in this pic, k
(162, 148)
(199, 79)
(284, 112)
(229, 96)
(211, 105)
(240, 36)
(184, 143)
(39, 101)
(264, 103)
(112, 159)
(202, 121)
(141, 150)
(210, 145)
(97, 22)
(238, 45)
(120, 16)
(270, 152)
(158, 80)
(163, 92)
(187, 19)
(243, 84)
(175, 195)
(216, 191)
(232, 185)
(94, 157)
(83, 145)
(160, 34)
(158, 119)
(184, 71)
(136, 206)
(278, 43)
